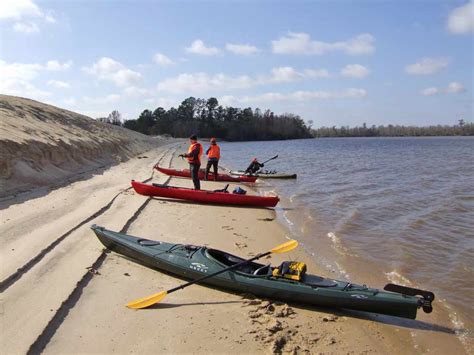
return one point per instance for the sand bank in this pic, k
(43, 145)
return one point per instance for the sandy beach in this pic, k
(62, 294)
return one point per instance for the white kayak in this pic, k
(266, 174)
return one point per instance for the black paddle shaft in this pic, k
(258, 256)
(266, 161)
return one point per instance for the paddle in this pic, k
(157, 297)
(266, 161)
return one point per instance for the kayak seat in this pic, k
(229, 260)
(318, 281)
(263, 271)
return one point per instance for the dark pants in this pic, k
(194, 169)
(214, 164)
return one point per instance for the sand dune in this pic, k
(42, 145)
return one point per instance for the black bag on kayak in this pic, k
(240, 191)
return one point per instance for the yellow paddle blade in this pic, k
(147, 301)
(283, 248)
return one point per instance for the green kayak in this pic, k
(266, 174)
(193, 262)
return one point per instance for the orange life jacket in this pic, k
(214, 152)
(191, 159)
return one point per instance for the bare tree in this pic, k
(115, 118)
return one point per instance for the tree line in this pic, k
(461, 129)
(207, 118)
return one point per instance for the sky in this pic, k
(340, 62)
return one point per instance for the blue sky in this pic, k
(332, 62)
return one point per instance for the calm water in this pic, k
(380, 209)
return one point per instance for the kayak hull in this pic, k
(204, 196)
(185, 173)
(193, 262)
(264, 175)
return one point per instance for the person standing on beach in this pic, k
(194, 158)
(254, 167)
(213, 156)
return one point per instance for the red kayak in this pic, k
(220, 177)
(205, 196)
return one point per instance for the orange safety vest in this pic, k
(191, 160)
(214, 152)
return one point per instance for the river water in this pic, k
(378, 210)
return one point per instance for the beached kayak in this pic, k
(204, 196)
(266, 174)
(220, 177)
(193, 262)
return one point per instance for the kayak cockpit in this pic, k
(256, 269)
(229, 260)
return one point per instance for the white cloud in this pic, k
(296, 96)
(109, 69)
(16, 9)
(452, 88)
(135, 91)
(19, 71)
(21, 9)
(199, 82)
(28, 72)
(198, 47)
(430, 91)
(202, 82)
(301, 43)
(241, 49)
(112, 98)
(427, 66)
(58, 84)
(24, 27)
(16, 79)
(50, 18)
(289, 74)
(22, 88)
(355, 71)
(455, 88)
(162, 60)
(54, 65)
(285, 74)
(461, 19)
